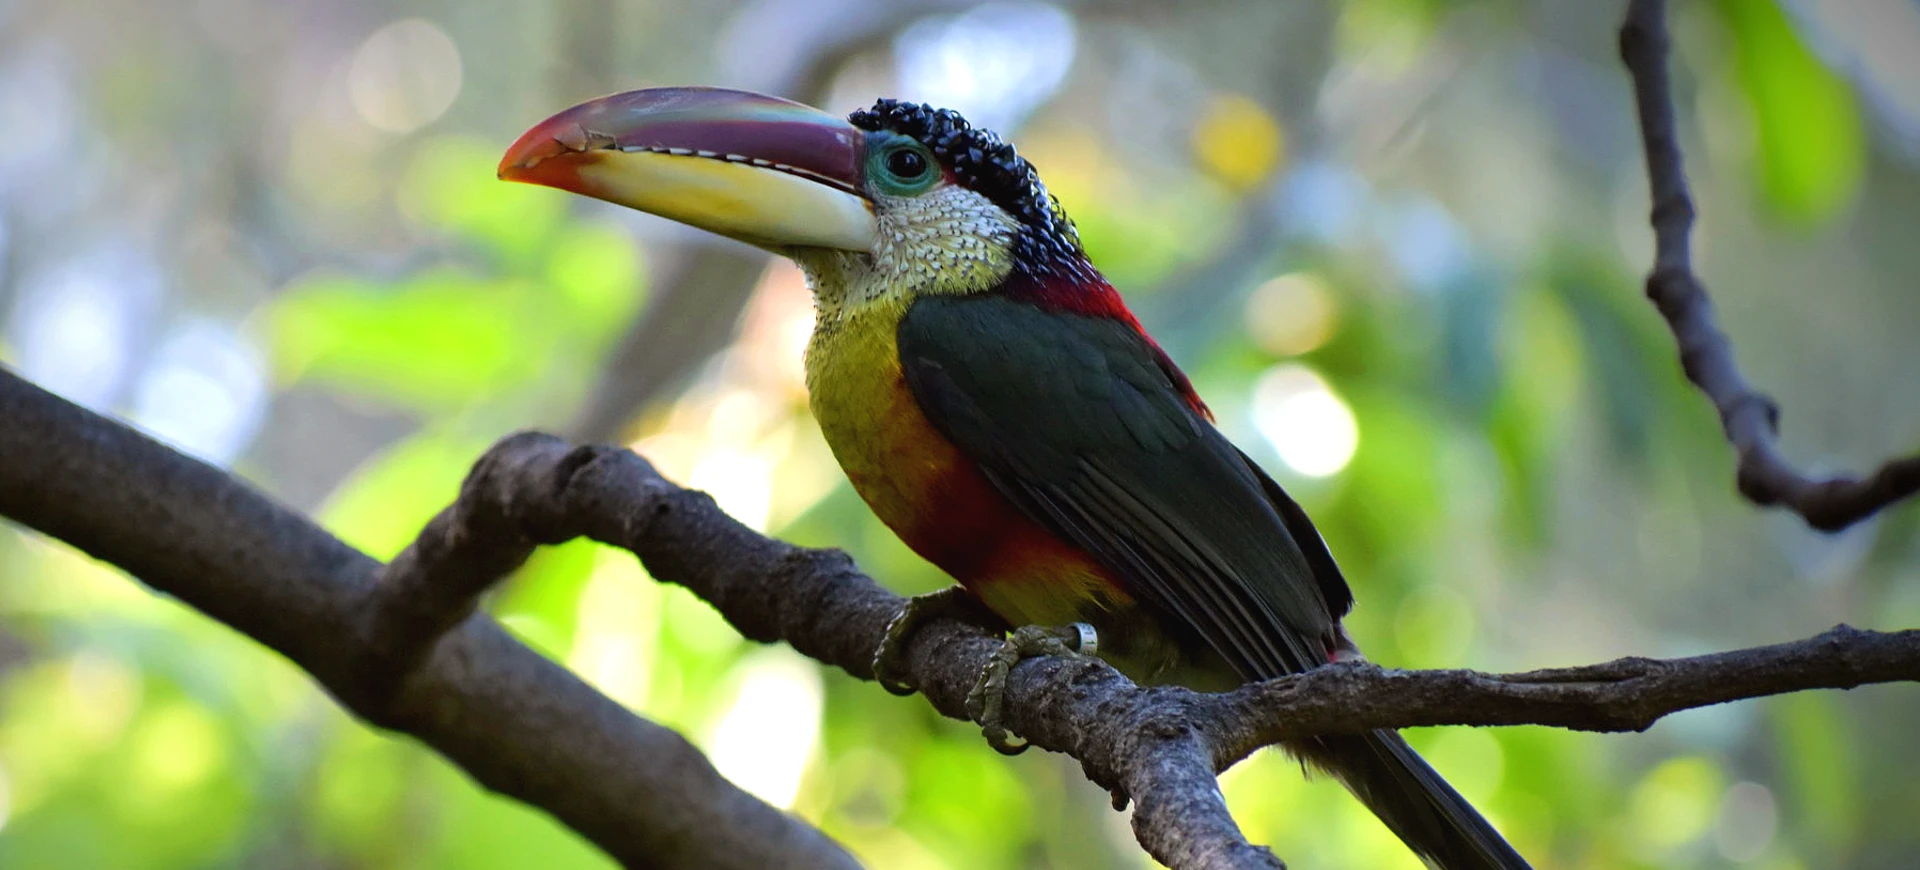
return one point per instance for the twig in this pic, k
(1627, 694)
(518, 723)
(1751, 419)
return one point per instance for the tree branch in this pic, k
(401, 645)
(1628, 694)
(1161, 747)
(404, 653)
(1750, 418)
(525, 727)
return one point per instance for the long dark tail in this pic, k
(1417, 805)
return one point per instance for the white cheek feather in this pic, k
(948, 240)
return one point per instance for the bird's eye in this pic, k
(900, 166)
(907, 164)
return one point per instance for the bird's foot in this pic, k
(985, 702)
(889, 661)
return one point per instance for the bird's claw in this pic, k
(889, 665)
(986, 700)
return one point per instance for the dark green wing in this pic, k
(1077, 420)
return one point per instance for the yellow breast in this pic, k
(929, 493)
(883, 442)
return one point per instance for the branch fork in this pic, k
(1160, 748)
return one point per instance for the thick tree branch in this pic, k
(518, 723)
(527, 728)
(1751, 418)
(1161, 747)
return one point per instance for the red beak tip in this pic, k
(524, 156)
(574, 137)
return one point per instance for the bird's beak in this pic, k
(769, 172)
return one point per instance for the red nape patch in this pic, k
(1097, 298)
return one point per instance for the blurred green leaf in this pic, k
(1375, 537)
(1626, 348)
(435, 342)
(384, 504)
(1530, 414)
(449, 184)
(70, 804)
(1141, 240)
(595, 269)
(480, 830)
(1393, 29)
(360, 783)
(541, 604)
(1812, 141)
(971, 802)
(1822, 770)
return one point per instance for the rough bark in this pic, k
(399, 647)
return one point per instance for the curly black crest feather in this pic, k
(985, 164)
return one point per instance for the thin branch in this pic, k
(518, 723)
(1750, 418)
(1627, 694)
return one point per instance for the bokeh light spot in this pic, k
(206, 392)
(993, 63)
(1308, 425)
(741, 481)
(76, 321)
(404, 76)
(1675, 803)
(104, 693)
(767, 736)
(179, 745)
(618, 615)
(1292, 314)
(1749, 818)
(1237, 141)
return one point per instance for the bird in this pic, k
(990, 396)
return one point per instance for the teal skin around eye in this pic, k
(882, 165)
